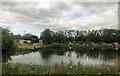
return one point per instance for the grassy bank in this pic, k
(84, 45)
(28, 46)
(60, 47)
(17, 68)
(101, 46)
(55, 46)
(25, 48)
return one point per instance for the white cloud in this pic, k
(36, 16)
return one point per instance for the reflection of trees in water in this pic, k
(46, 53)
(84, 52)
(97, 53)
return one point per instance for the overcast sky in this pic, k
(36, 15)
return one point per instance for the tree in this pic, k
(8, 44)
(31, 37)
(17, 37)
(47, 36)
(59, 37)
(27, 36)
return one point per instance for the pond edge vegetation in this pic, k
(58, 40)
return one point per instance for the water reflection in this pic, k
(85, 56)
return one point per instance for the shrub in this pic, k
(55, 46)
(8, 44)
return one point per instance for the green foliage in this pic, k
(80, 69)
(25, 48)
(17, 68)
(59, 37)
(28, 46)
(55, 46)
(47, 36)
(29, 36)
(96, 36)
(8, 44)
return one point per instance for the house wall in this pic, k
(22, 41)
(40, 41)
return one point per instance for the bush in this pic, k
(8, 44)
(55, 46)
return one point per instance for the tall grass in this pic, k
(17, 68)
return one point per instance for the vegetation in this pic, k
(96, 36)
(96, 45)
(31, 37)
(28, 36)
(8, 44)
(55, 46)
(17, 68)
(56, 42)
(26, 48)
(47, 36)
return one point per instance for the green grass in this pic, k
(28, 46)
(24, 48)
(17, 68)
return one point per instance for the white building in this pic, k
(23, 40)
(40, 41)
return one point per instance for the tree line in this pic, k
(103, 35)
(48, 36)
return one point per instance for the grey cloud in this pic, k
(28, 13)
(33, 13)
(94, 7)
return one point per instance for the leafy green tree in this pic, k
(96, 36)
(28, 36)
(59, 37)
(8, 44)
(17, 38)
(47, 36)
(31, 37)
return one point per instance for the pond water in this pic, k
(84, 56)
